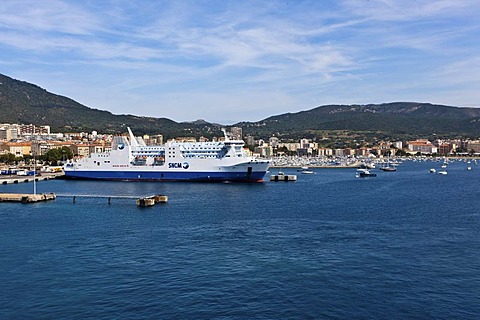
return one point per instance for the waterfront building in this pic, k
(18, 149)
(444, 148)
(264, 151)
(362, 152)
(250, 140)
(30, 130)
(184, 139)
(81, 150)
(423, 146)
(236, 133)
(153, 140)
(9, 132)
(348, 152)
(473, 145)
(290, 146)
(273, 141)
(325, 152)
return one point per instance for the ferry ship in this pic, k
(132, 160)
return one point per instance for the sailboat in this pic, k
(388, 167)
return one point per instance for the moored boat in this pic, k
(388, 168)
(364, 173)
(132, 160)
(305, 170)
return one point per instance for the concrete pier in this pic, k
(151, 200)
(283, 177)
(25, 197)
(146, 201)
(7, 179)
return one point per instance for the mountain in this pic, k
(23, 102)
(397, 119)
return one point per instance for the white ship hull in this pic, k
(223, 161)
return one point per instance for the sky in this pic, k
(230, 61)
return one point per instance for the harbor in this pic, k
(293, 247)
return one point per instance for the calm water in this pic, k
(405, 244)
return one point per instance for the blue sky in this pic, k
(231, 61)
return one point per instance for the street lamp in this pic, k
(34, 168)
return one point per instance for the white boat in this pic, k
(132, 160)
(444, 172)
(364, 173)
(432, 170)
(305, 170)
(367, 166)
(388, 167)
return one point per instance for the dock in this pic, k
(146, 201)
(9, 179)
(283, 177)
(26, 197)
(151, 200)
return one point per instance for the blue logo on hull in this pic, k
(178, 165)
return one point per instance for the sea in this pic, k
(401, 245)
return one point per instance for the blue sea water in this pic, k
(402, 245)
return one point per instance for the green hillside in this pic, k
(394, 120)
(22, 102)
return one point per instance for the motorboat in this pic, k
(364, 173)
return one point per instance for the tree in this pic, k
(58, 154)
(8, 158)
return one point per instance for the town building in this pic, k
(473, 145)
(421, 145)
(236, 133)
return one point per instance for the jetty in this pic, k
(9, 179)
(283, 177)
(151, 200)
(146, 201)
(26, 198)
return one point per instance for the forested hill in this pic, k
(392, 119)
(22, 102)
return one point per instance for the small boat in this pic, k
(367, 166)
(388, 168)
(469, 168)
(308, 172)
(305, 170)
(364, 173)
(433, 170)
(442, 172)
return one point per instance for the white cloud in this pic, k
(244, 58)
